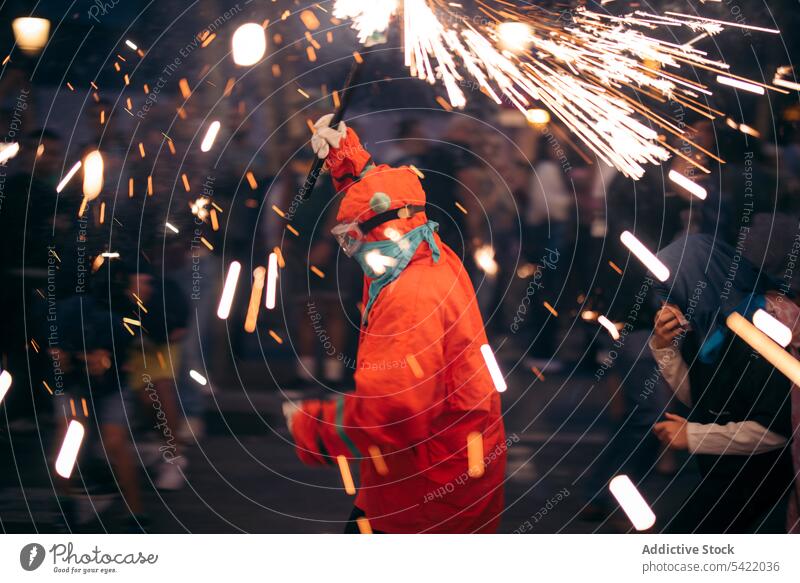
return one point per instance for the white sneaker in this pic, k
(171, 475)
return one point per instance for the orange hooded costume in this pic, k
(422, 385)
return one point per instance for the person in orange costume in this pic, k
(422, 384)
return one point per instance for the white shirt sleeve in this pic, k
(743, 438)
(674, 370)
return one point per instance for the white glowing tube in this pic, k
(738, 84)
(644, 255)
(131, 44)
(92, 175)
(632, 502)
(687, 184)
(5, 384)
(249, 44)
(608, 325)
(198, 377)
(494, 369)
(772, 327)
(8, 151)
(765, 346)
(68, 176)
(211, 135)
(225, 302)
(65, 462)
(272, 279)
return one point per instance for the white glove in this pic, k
(325, 136)
(289, 411)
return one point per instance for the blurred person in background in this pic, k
(92, 352)
(739, 426)
(152, 361)
(549, 222)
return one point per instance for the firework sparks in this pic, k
(592, 71)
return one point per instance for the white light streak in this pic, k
(249, 44)
(608, 325)
(5, 384)
(198, 378)
(211, 135)
(632, 502)
(172, 227)
(688, 185)
(229, 290)
(765, 346)
(644, 255)
(772, 327)
(65, 462)
(494, 368)
(739, 84)
(131, 45)
(272, 279)
(68, 176)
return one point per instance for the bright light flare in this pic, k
(494, 368)
(249, 44)
(765, 346)
(378, 262)
(484, 258)
(644, 255)
(772, 327)
(5, 384)
(211, 135)
(608, 325)
(537, 116)
(31, 34)
(92, 175)
(8, 151)
(229, 290)
(632, 502)
(688, 185)
(272, 280)
(65, 462)
(369, 18)
(514, 36)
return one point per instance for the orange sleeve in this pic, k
(347, 161)
(398, 381)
